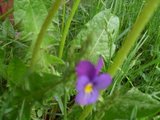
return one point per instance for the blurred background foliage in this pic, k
(98, 28)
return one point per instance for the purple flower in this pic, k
(90, 81)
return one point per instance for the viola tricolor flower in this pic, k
(90, 81)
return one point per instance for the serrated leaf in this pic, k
(15, 72)
(31, 14)
(27, 87)
(103, 27)
(7, 29)
(122, 106)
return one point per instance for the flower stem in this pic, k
(62, 43)
(131, 38)
(66, 29)
(42, 32)
(133, 35)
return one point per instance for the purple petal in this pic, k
(81, 83)
(86, 68)
(99, 66)
(102, 81)
(84, 99)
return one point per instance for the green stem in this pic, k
(63, 15)
(43, 30)
(66, 29)
(65, 103)
(62, 43)
(133, 35)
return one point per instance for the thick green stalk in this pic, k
(43, 30)
(133, 35)
(66, 29)
(63, 16)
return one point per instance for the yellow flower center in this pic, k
(88, 88)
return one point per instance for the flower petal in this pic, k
(84, 99)
(99, 66)
(102, 81)
(86, 68)
(81, 83)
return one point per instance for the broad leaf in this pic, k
(103, 28)
(123, 106)
(31, 15)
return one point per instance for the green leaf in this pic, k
(41, 83)
(7, 30)
(24, 112)
(15, 72)
(103, 27)
(2, 66)
(27, 87)
(22, 79)
(51, 59)
(123, 106)
(48, 3)
(75, 112)
(60, 103)
(31, 14)
(39, 112)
